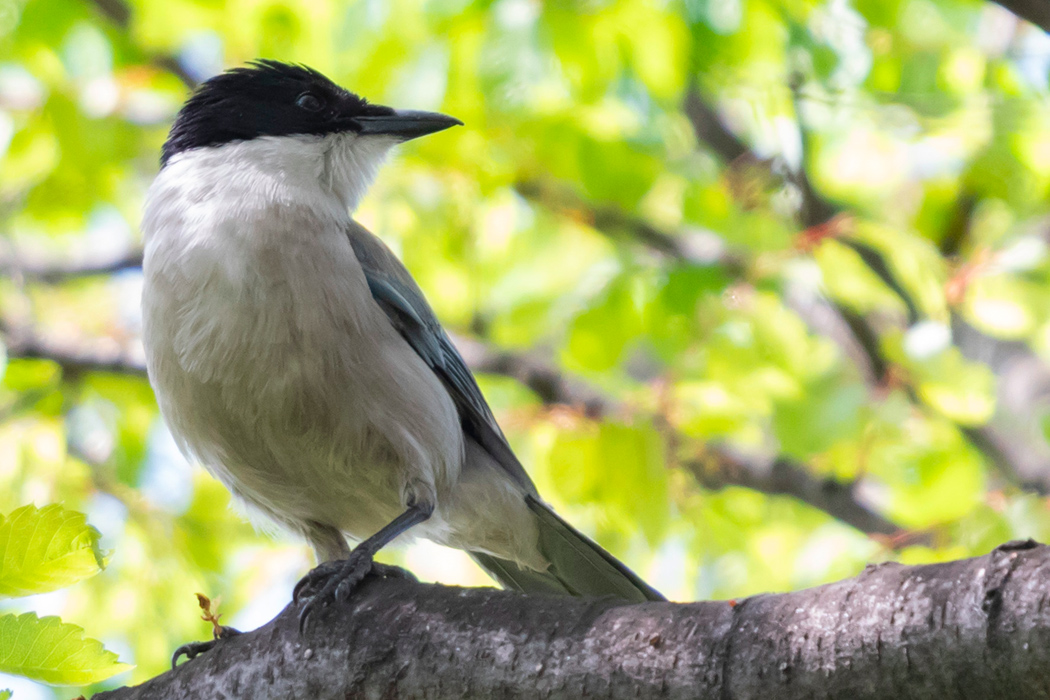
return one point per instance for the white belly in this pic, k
(273, 366)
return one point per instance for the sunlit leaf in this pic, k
(49, 650)
(45, 549)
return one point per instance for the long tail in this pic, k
(578, 566)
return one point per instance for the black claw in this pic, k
(191, 650)
(304, 582)
(304, 615)
(298, 589)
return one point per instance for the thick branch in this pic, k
(976, 628)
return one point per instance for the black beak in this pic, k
(406, 124)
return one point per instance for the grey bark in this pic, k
(976, 628)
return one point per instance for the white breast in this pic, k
(271, 362)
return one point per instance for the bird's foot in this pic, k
(192, 650)
(336, 580)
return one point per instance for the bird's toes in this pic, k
(315, 577)
(192, 650)
(355, 571)
(339, 581)
(224, 632)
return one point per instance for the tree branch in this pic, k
(722, 467)
(959, 224)
(974, 628)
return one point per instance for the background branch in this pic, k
(73, 359)
(718, 467)
(56, 272)
(1035, 11)
(1000, 450)
(119, 13)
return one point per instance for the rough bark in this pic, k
(976, 628)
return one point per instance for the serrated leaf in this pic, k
(49, 650)
(5, 694)
(43, 549)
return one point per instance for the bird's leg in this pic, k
(337, 579)
(330, 547)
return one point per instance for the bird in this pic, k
(294, 356)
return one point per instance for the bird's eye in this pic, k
(310, 102)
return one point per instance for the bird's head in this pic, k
(291, 108)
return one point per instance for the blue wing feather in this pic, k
(403, 302)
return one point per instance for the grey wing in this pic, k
(399, 296)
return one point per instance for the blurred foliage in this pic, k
(577, 216)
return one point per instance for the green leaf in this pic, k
(49, 650)
(45, 549)
(5, 695)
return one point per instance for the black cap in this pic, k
(270, 98)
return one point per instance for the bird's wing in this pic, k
(399, 296)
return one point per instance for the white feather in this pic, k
(274, 366)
